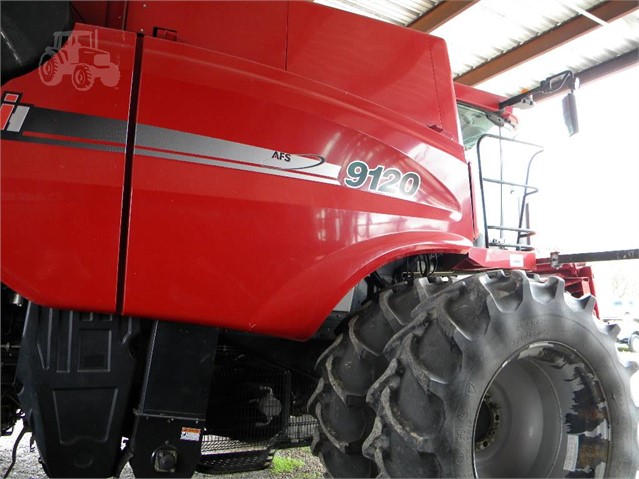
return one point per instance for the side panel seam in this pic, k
(128, 173)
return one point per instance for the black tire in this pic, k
(476, 383)
(633, 342)
(348, 368)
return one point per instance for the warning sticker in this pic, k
(190, 434)
(572, 452)
(516, 261)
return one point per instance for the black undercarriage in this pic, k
(180, 396)
(98, 391)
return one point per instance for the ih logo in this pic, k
(80, 58)
(12, 114)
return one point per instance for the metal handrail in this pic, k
(528, 190)
(509, 183)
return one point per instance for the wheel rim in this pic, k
(80, 77)
(634, 344)
(47, 70)
(541, 407)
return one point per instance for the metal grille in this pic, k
(299, 428)
(238, 461)
(256, 408)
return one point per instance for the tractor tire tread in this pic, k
(406, 442)
(348, 368)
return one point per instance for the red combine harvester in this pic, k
(268, 217)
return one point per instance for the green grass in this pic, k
(285, 465)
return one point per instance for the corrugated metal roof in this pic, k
(596, 47)
(489, 28)
(399, 12)
(492, 27)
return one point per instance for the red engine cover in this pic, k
(259, 195)
(62, 179)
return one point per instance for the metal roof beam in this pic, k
(596, 72)
(608, 67)
(607, 11)
(440, 14)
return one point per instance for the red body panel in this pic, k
(252, 30)
(479, 259)
(264, 253)
(246, 208)
(417, 83)
(61, 205)
(477, 98)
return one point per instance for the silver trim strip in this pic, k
(234, 166)
(181, 146)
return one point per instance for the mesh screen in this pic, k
(256, 408)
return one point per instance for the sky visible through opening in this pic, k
(589, 183)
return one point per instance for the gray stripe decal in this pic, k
(183, 145)
(67, 143)
(65, 123)
(234, 166)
